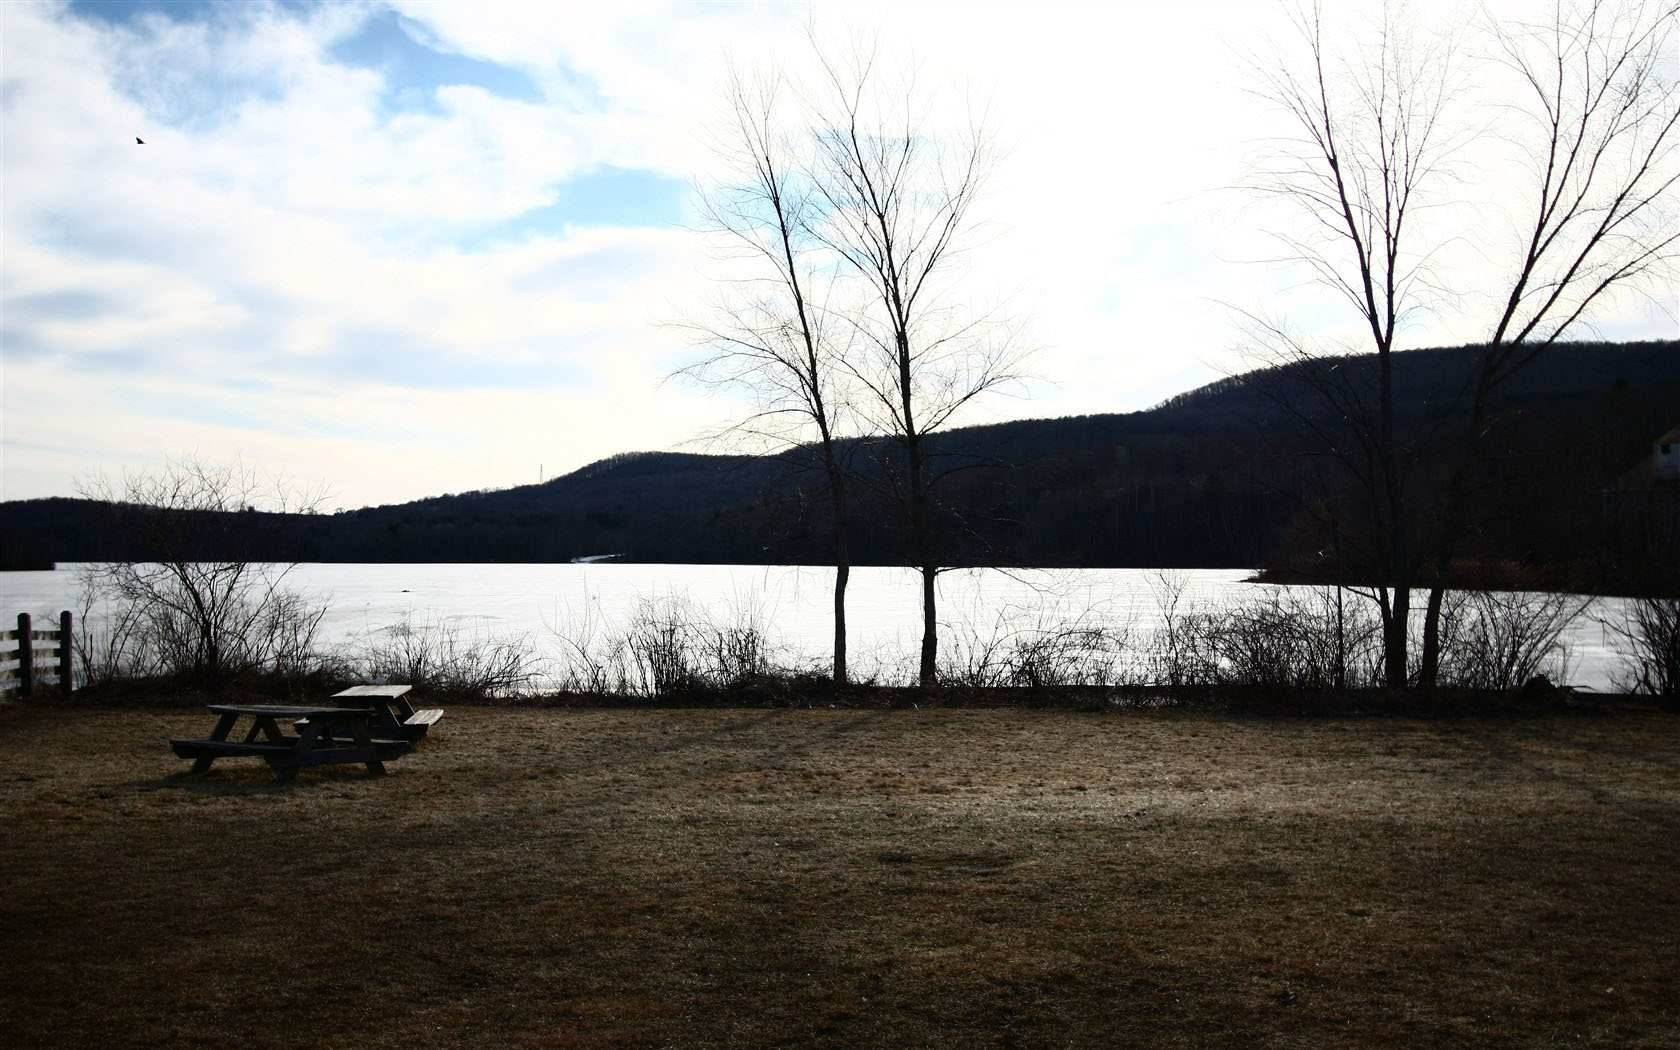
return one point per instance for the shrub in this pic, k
(200, 609)
(443, 659)
(661, 650)
(669, 649)
(1501, 639)
(109, 647)
(1646, 634)
(1178, 654)
(1311, 640)
(1048, 637)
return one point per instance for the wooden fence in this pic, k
(31, 658)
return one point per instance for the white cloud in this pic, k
(291, 270)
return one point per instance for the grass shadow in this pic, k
(256, 780)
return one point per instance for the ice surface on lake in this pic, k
(794, 603)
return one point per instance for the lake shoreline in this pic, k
(1477, 576)
(988, 618)
(807, 692)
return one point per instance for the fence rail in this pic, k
(26, 663)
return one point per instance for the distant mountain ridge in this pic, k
(1190, 482)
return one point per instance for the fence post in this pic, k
(26, 657)
(65, 685)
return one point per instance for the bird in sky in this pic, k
(138, 141)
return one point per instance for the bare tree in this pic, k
(899, 208)
(1373, 140)
(1601, 136)
(1374, 155)
(769, 335)
(202, 607)
(856, 216)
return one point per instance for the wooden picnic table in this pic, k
(326, 735)
(393, 715)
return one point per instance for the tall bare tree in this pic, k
(1601, 136)
(899, 207)
(770, 334)
(853, 211)
(1373, 138)
(1374, 155)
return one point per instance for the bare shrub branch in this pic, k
(200, 607)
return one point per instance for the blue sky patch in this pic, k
(607, 196)
(197, 96)
(68, 304)
(390, 44)
(120, 12)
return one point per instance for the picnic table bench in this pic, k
(393, 716)
(326, 735)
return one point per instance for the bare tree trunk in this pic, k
(1396, 621)
(842, 574)
(1429, 664)
(842, 563)
(1341, 638)
(921, 524)
(928, 673)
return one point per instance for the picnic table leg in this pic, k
(359, 730)
(390, 722)
(270, 728)
(286, 765)
(322, 734)
(224, 725)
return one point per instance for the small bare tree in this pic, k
(201, 605)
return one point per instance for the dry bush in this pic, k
(1177, 654)
(1501, 639)
(108, 646)
(669, 648)
(660, 651)
(1071, 654)
(442, 658)
(1045, 652)
(1311, 640)
(1303, 638)
(1647, 636)
(194, 620)
(203, 608)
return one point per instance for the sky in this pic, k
(382, 251)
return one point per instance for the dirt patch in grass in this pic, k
(947, 878)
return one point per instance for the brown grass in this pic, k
(951, 878)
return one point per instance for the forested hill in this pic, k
(1202, 480)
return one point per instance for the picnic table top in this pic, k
(284, 710)
(388, 692)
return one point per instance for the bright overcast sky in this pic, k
(397, 250)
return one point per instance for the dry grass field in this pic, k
(945, 878)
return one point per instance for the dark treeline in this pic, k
(1210, 478)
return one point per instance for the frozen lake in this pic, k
(792, 602)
